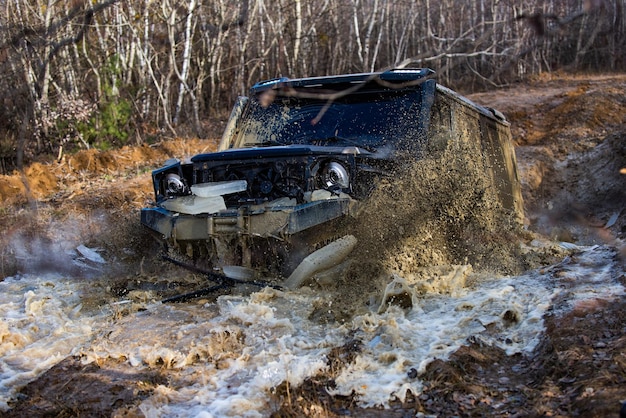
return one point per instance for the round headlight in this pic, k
(174, 185)
(335, 174)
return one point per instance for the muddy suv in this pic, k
(300, 155)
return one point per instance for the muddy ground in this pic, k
(570, 134)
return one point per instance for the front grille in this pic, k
(267, 180)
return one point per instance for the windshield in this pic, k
(366, 119)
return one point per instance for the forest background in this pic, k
(99, 74)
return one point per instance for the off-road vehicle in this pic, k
(299, 155)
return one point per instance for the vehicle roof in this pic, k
(396, 75)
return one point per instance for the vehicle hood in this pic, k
(277, 151)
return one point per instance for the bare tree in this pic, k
(174, 63)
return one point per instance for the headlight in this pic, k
(174, 186)
(335, 175)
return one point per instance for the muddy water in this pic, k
(43, 321)
(224, 357)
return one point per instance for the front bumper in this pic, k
(277, 221)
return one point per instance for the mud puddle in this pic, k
(228, 357)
